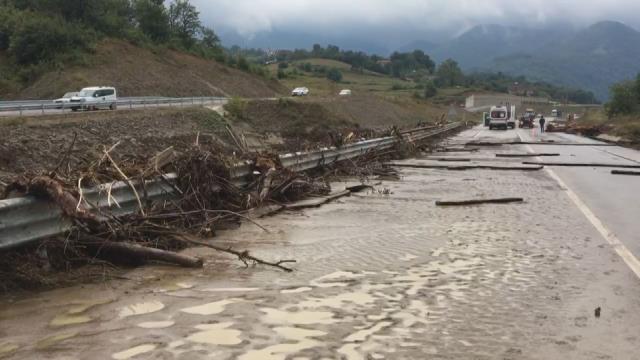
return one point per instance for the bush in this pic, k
(236, 107)
(334, 74)
(282, 74)
(283, 65)
(623, 99)
(430, 90)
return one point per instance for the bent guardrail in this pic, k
(27, 219)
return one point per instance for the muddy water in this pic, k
(378, 277)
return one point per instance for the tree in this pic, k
(624, 99)
(449, 74)
(638, 88)
(430, 90)
(209, 38)
(152, 19)
(334, 74)
(184, 21)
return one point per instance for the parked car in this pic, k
(65, 99)
(94, 98)
(300, 91)
(344, 92)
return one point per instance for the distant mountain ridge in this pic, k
(593, 58)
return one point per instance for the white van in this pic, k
(94, 98)
(498, 117)
(345, 92)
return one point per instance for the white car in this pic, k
(344, 92)
(94, 98)
(300, 91)
(65, 99)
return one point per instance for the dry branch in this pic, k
(137, 252)
(469, 167)
(243, 256)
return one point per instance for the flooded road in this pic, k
(383, 274)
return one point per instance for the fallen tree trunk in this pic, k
(623, 172)
(625, 166)
(479, 201)
(469, 167)
(134, 253)
(526, 155)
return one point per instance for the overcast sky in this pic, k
(390, 20)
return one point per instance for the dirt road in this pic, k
(381, 275)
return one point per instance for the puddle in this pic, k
(279, 317)
(134, 351)
(52, 340)
(408, 257)
(296, 290)
(230, 289)
(210, 308)
(141, 309)
(362, 335)
(7, 348)
(84, 306)
(339, 301)
(216, 334)
(67, 319)
(303, 337)
(156, 324)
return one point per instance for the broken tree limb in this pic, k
(457, 150)
(312, 203)
(469, 167)
(243, 256)
(625, 166)
(483, 143)
(114, 250)
(452, 159)
(479, 201)
(623, 172)
(526, 155)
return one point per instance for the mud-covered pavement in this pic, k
(383, 274)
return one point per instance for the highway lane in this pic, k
(613, 199)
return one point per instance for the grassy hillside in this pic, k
(136, 71)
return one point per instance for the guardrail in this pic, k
(25, 220)
(41, 107)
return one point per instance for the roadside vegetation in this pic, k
(38, 36)
(620, 116)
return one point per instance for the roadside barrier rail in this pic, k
(34, 107)
(25, 220)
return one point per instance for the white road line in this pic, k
(609, 236)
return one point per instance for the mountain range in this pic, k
(592, 59)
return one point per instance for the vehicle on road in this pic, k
(557, 125)
(344, 92)
(511, 116)
(94, 98)
(498, 117)
(300, 91)
(65, 99)
(527, 119)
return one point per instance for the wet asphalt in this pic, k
(383, 274)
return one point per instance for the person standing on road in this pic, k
(542, 121)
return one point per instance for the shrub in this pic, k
(236, 107)
(430, 90)
(334, 74)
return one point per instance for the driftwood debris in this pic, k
(451, 159)
(456, 150)
(469, 167)
(312, 203)
(479, 202)
(625, 166)
(550, 142)
(243, 256)
(624, 172)
(526, 155)
(143, 254)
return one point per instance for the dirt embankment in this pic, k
(136, 71)
(37, 144)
